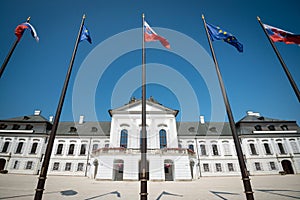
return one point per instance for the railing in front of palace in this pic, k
(121, 150)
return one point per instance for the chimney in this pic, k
(251, 113)
(202, 119)
(37, 112)
(81, 118)
(51, 118)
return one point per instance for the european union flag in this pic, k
(216, 33)
(85, 35)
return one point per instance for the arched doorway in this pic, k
(287, 167)
(118, 170)
(169, 170)
(2, 163)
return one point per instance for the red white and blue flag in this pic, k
(22, 27)
(150, 35)
(279, 35)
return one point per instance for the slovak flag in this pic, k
(150, 35)
(279, 35)
(22, 27)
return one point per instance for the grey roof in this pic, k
(85, 129)
(208, 128)
(252, 118)
(26, 118)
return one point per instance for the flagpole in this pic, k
(43, 173)
(143, 170)
(287, 72)
(243, 168)
(10, 53)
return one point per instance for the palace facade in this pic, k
(175, 150)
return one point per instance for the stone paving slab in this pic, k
(21, 187)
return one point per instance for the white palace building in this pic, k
(175, 150)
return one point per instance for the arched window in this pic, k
(215, 150)
(59, 149)
(281, 148)
(95, 146)
(267, 148)
(5, 147)
(124, 138)
(163, 138)
(19, 148)
(203, 149)
(71, 149)
(252, 149)
(33, 148)
(191, 147)
(82, 149)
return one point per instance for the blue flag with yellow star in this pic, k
(216, 33)
(85, 35)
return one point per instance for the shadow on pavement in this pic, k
(167, 193)
(65, 193)
(279, 192)
(101, 195)
(218, 194)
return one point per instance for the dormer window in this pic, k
(15, 127)
(258, 127)
(26, 117)
(284, 127)
(94, 129)
(271, 128)
(192, 129)
(28, 127)
(73, 129)
(213, 129)
(3, 126)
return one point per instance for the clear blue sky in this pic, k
(254, 79)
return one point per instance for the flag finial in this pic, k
(258, 18)
(83, 17)
(28, 19)
(202, 16)
(143, 15)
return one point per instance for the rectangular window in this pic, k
(68, 167)
(218, 167)
(272, 166)
(257, 166)
(80, 167)
(55, 166)
(28, 165)
(230, 167)
(16, 165)
(206, 167)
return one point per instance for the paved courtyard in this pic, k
(22, 187)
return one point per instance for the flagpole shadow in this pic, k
(101, 195)
(167, 193)
(64, 193)
(277, 192)
(218, 194)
